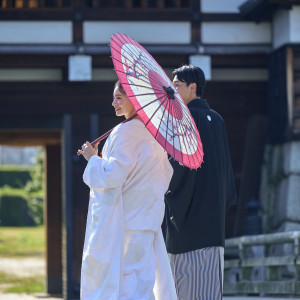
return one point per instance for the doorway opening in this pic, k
(31, 211)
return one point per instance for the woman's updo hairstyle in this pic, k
(120, 88)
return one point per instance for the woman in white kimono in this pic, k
(124, 254)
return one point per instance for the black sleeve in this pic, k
(180, 194)
(179, 173)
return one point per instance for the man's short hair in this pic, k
(191, 74)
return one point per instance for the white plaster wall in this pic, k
(292, 158)
(203, 62)
(217, 6)
(288, 208)
(30, 74)
(98, 32)
(295, 24)
(236, 33)
(281, 28)
(239, 74)
(217, 74)
(106, 74)
(35, 32)
(286, 27)
(103, 74)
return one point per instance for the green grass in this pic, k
(22, 284)
(22, 241)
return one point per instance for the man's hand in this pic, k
(87, 150)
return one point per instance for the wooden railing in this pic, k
(276, 257)
(36, 4)
(96, 10)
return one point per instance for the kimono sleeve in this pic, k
(180, 194)
(113, 171)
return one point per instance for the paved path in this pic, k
(23, 267)
(26, 297)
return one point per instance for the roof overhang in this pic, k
(263, 10)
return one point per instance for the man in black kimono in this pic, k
(198, 200)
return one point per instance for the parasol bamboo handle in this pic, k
(105, 135)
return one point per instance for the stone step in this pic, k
(257, 298)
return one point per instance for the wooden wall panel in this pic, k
(53, 98)
(232, 98)
(239, 103)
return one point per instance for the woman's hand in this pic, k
(87, 150)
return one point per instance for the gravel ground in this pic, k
(26, 297)
(23, 267)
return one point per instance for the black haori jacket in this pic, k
(198, 200)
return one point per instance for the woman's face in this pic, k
(122, 104)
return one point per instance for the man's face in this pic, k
(186, 92)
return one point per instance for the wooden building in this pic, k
(248, 51)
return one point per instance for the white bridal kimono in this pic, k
(124, 254)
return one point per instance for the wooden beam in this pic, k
(54, 49)
(78, 23)
(137, 14)
(239, 61)
(221, 17)
(27, 138)
(55, 98)
(34, 61)
(33, 123)
(196, 22)
(41, 14)
(285, 2)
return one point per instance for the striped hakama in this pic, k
(198, 274)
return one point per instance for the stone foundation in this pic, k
(280, 188)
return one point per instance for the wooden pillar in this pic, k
(196, 22)
(67, 212)
(78, 23)
(94, 126)
(277, 98)
(53, 220)
(84, 128)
